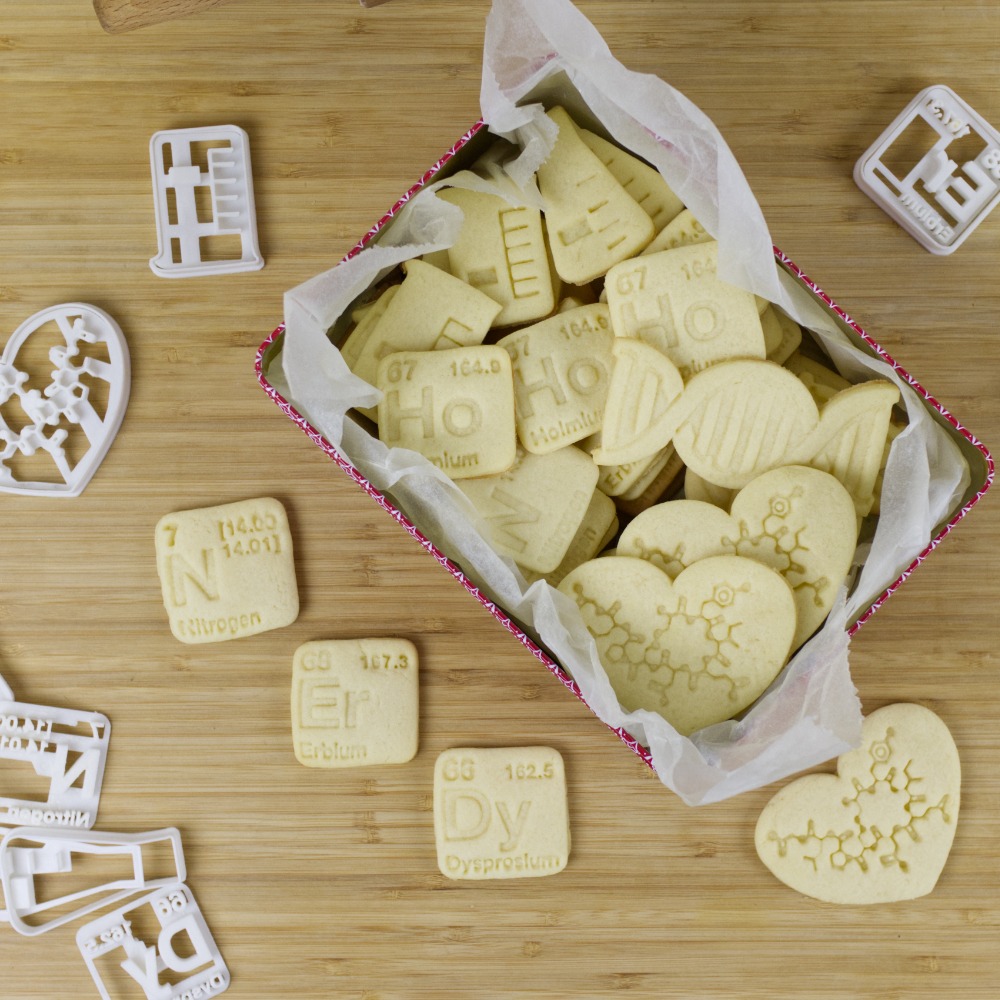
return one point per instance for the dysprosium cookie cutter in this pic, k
(27, 853)
(64, 406)
(206, 222)
(917, 183)
(195, 970)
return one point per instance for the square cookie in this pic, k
(500, 813)
(227, 571)
(355, 702)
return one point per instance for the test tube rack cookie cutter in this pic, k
(938, 201)
(206, 222)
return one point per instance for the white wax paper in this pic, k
(546, 51)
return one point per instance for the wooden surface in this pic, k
(324, 885)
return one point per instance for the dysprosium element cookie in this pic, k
(880, 829)
(798, 521)
(500, 813)
(697, 650)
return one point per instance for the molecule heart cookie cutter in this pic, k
(64, 413)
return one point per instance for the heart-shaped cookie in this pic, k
(94, 353)
(698, 649)
(881, 829)
(797, 520)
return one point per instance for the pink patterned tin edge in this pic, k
(494, 609)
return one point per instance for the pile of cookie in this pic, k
(570, 369)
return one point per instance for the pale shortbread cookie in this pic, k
(782, 335)
(656, 472)
(591, 220)
(365, 318)
(354, 702)
(535, 508)
(438, 259)
(644, 184)
(698, 649)
(616, 480)
(697, 488)
(431, 311)
(501, 251)
(675, 302)
(878, 831)
(638, 416)
(738, 419)
(826, 381)
(456, 408)
(683, 230)
(667, 482)
(798, 521)
(227, 571)
(598, 527)
(562, 367)
(500, 813)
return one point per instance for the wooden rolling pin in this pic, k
(124, 15)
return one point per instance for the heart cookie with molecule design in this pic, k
(698, 649)
(60, 432)
(798, 521)
(879, 830)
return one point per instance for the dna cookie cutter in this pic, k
(206, 222)
(915, 172)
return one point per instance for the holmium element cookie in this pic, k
(675, 302)
(697, 650)
(591, 220)
(500, 813)
(562, 367)
(879, 830)
(355, 702)
(227, 571)
(456, 408)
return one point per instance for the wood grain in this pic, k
(318, 885)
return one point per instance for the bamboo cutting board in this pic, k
(325, 884)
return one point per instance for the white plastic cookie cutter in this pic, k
(206, 222)
(27, 853)
(95, 352)
(65, 746)
(915, 179)
(173, 942)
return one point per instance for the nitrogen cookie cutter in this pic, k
(935, 170)
(65, 406)
(206, 222)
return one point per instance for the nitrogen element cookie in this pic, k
(227, 571)
(534, 509)
(698, 649)
(500, 813)
(456, 408)
(879, 830)
(354, 702)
